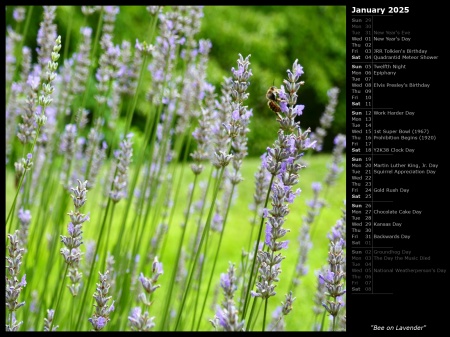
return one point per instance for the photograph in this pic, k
(176, 168)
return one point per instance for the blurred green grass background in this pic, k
(236, 235)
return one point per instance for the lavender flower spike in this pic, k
(101, 315)
(142, 321)
(13, 286)
(72, 252)
(227, 314)
(334, 168)
(334, 277)
(120, 182)
(326, 119)
(281, 163)
(48, 321)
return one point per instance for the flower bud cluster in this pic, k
(72, 252)
(101, 315)
(120, 182)
(326, 119)
(143, 321)
(334, 277)
(227, 314)
(281, 163)
(13, 285)
(335, 168)
(48, 321)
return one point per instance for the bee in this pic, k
(274, 106)
(272, 94)
(274, 100)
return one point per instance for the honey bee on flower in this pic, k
(274, 100)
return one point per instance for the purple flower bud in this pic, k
(136, 312)
(283, 106)
(316, 186)
(309, 144)
(86, 31)
(260, 246)
(341, 243)
(282, 168)
(204, 46)
(138, 45)
(19, 14)
(225, 281)
(70, 229)
(235, 115)
(101, 322)
(16, 87)
(111, 308)
(23, 282)
(142, 278)
(284, 244)
(291, 196)
(33, 82)
(282, 95)
(328, 277)
(221, 317)
(264, 160)
(277, 312)
(217, 220)
(24, 216)
(298, 109)
(112, 10)
(268, 235)
(157, 267)
(340, 140)
(298, 69)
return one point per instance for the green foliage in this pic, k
(236, 236)
(275, 36)
(261, 128)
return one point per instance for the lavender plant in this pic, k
(326, 119)
(227, 314)
(334, 276)
(13, 285)
(48, 321)
(281, 163)
(142, 321)
(277, 323)
(72, 252)
(120, 181)
(335, 168)
(102, 311)
(24, 219)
